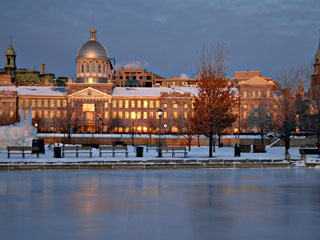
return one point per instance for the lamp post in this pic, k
(36, 125)
(160, 112)
(165, 133)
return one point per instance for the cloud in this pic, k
(184, 76)
(133, 64)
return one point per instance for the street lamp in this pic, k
(36, 125)
(160, 112)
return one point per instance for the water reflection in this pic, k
(161, 204)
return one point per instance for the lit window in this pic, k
(185, 115)
(151, 103)
(165, 105)
(64, 103)
(126, 104)
(33, 102)
(186, 106)
(165, 115)
(145, 115)
(58, 114)
(114, 103)
(51, 103)
(133, 115)
(175, 105)
(145, 104)
(157, 104)
(106, 105)
(39, 114)
(120, 103)
(45, 114)
(120, 114)
(133, 103)
(244, 114)
(88, 107)
(51, 114)
(253, 94)
(39, 102)
(245, 106)
(26, 103)
(106, 115)
(139, 103)
(58, 103)
(138, 115)
(175, 115)
(126, 115)
(114, 114)
(245, 94)
(11, 114)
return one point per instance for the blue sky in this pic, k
(164, 36)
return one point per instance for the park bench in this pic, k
(308, 151)
(175, 149)
(113, 150)
(245, 148)
(259, 148)
(22, 150)
(116, 143)
(76, 150)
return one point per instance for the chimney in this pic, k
(69, 80)
(42, 68)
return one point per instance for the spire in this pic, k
(317, 57)
(10, 51)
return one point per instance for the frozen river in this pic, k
(160, 204)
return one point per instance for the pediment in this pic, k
(90, 93)
(257, 81)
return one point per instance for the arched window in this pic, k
(93, 67)
(88, 68)
(99, 68)
(82, 68)
(104, 68)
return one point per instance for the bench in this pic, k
(245, 148)
(259, 148)
(113, 150)
(308, 151)
(22, 150)
(76, 150)
(173, 150)
(116, 143)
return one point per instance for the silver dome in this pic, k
(92, 49)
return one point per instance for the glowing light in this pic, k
(90, 80)
(133, 115)
(236, 130)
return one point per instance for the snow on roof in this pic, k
(36, 90)
(142, 91)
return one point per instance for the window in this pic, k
(93, 67)
(99, 68)
(126, 115)
(151, 104)
(245, 94)
(89, 116)
(104, 68)
(88, 107)
(65, 114)
(106, 115)
(151, 115)
(64, 103)
(58, 103)
(114, 114)
(165, 115)
(185, 115)
(106, 105)
(133, 103)
(175, 115)
(253, 94)
(120, 103)
(82, 68)
(139, 103)
(165, 105)
(138, 115)
(186, 106)
(114, 103)
(145, 104)
(88, 68)
(157, 104)
(26, 102)
(39, 114)
(120, 114)
(126, 104)
(245, 106)
(58, 114)
(244, 114)
(175, 105)
(145, 115)
(133, 115)
(51, 114)
(33, 102)
(51, 103)
(268, 93)
(11, 114)
(33, 114)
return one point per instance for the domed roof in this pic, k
(92, 49)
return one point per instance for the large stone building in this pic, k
(102, 99)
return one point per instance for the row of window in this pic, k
(256, 94)
(100, 68)
(145, 115)
(141, 104)
(43, 102)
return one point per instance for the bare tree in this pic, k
(289, 81)
(215, 100)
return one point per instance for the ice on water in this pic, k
(20, 133)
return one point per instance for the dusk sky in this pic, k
(165, 36)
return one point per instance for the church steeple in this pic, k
(10, 66)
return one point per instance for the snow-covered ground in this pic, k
(201, 153)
